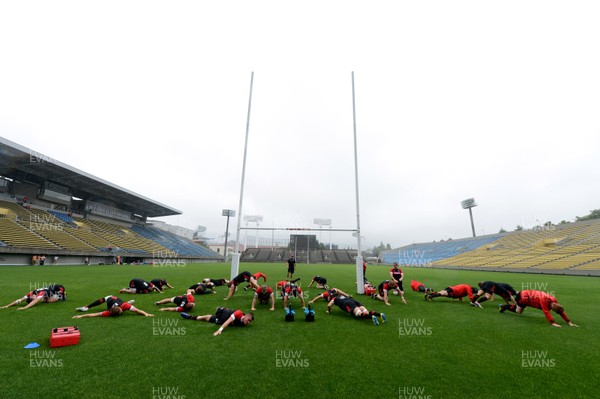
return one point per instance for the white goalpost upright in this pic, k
(235, 258)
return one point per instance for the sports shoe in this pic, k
(383, 318)
(477, 305)
(502, 308)
(187, 316)
(131, 301)
(245, 288)
(82, 309)
(375, 321)
(428, 297)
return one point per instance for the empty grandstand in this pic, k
(571, 248)
(52, 209)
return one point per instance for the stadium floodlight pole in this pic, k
(235, 259)
(470, 203)
(359, 270)
(229, 213)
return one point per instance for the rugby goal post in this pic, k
(235, 258)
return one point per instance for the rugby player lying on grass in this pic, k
(115, 307)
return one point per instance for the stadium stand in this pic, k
(172, 242)
(426, 253)
(562, 247)
(48, 207)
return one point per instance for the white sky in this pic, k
(499, 101)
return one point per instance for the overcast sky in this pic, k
(499, 101)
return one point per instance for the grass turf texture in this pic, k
(439, 349)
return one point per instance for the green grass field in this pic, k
(439, 349)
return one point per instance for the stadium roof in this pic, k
(25, 165)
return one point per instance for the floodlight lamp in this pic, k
(468, 203)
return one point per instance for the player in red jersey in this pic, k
(290, 290)
(224, 317)
(539, 300)
(263, 295)
(454, 292)
(370, 289)
(417, 286)
(184, 303)
(115, 307)
(256, 276)
(52, 293)
(239, 279)
(382, 291)
(139, 286)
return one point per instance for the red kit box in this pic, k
(64, 336)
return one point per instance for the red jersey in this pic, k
(263, 295)
(183, 300)
(540, 300)
(258, 275)
(414, 284)
(125, 306)
(461, 291)
(396, 273)
(281, 284)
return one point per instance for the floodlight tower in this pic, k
(470, 203)
(229, 213)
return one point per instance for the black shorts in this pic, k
(320, 280)
(350, 305)
(450, 292)
(400, 287)
(240, 278)
(291, 269)
(421, 288)
(220, 316)
(505, 290)
(488, 287)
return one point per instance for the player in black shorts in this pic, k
(328, 295)
(217, 282)
(263, 295)
(291, 290)
(320, 281)
(239, 279)
(114, 305)
(185, 303)
(487, 289)
(224, 317)
(354, 307)
(52, 293)
(291, 267)
(161, 284)
(201, 289)
(139, 286)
